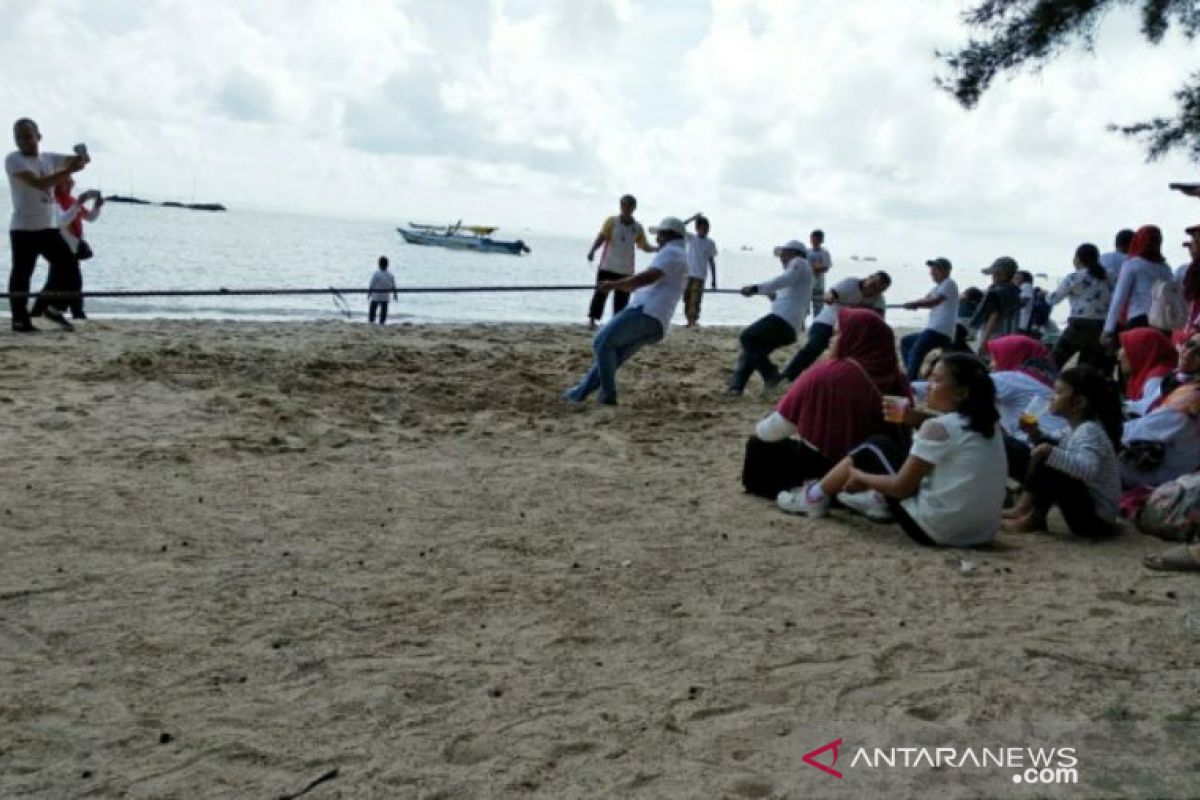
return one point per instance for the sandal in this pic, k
(1179, 558)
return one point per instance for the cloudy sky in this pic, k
(772, 116)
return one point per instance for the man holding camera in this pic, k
(32, 176)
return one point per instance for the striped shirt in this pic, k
(1087, 454)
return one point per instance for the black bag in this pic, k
(84, 251)
(1143, 455)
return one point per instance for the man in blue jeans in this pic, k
(943, 319)
(644, 321)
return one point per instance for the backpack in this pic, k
(1039, 315)
(1168, 311)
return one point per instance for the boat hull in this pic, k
(454, 241)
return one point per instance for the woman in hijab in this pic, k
(71, 214)
(833, 406)
(1146, 357)
(1022, 371)
(1144, 266)
(1165, 443)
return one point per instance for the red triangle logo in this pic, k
(810, 758)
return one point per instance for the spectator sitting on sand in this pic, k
(830, 409)
(1165, 443)
(1079, 474)
(790, 295)
(1146, 357)
(644, 321)
(949, 488)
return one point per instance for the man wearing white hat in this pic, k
(646, 319)
(791, 295)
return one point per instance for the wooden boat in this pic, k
(474, 238)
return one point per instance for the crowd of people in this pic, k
(981, 422)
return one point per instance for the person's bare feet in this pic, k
(1016, 512)
(1030, 523)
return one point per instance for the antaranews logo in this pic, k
(810, 758)
(1041, 765)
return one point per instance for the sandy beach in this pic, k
(239, 556)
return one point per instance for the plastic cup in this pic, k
(1038, 407)
(895, 407)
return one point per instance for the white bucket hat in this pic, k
(673, 224)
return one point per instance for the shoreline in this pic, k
(239, 555)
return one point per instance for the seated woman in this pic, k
(1022, 370)
(833, 406)
(1146, 357)
(1080, 474)
(1165, 443)
(949, 488)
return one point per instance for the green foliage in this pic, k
(1019, 34)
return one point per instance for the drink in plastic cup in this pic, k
(1037, 408)
(895, 407)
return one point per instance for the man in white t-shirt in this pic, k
(32, 176)
(821, 262)
(846, 293)
(791, 294)
(702, 259)
(943, 317)
(646, 319)
(618, 236)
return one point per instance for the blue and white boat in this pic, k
(475, 238)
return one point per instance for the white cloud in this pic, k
(770, 115)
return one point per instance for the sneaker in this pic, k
(24, 327)
(795, 501)
(869, 503)
(56, 316)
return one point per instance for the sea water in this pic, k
(156, 248)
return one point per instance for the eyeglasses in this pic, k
(1190, 344)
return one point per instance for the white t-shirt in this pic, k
(1112, 265)
(793, 292)
(660, 298)
(944, 316)
(383, 283)
(1027, 295)
(33, 209)
(699, 251)
(958, 502)
(849, 293)
(1135, 287)
(821, 262)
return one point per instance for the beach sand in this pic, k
(237, 556)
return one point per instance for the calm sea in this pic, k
(154, 248)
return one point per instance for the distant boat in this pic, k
(478, 230)
(452, 237)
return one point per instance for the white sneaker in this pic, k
(869, 503)
(795, 501)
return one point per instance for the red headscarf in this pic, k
(1150, 355)
(62, 193)
(1017, 353)
(836, 404)
(1147, 244)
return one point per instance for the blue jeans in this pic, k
(624, 335)
(915, 346)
